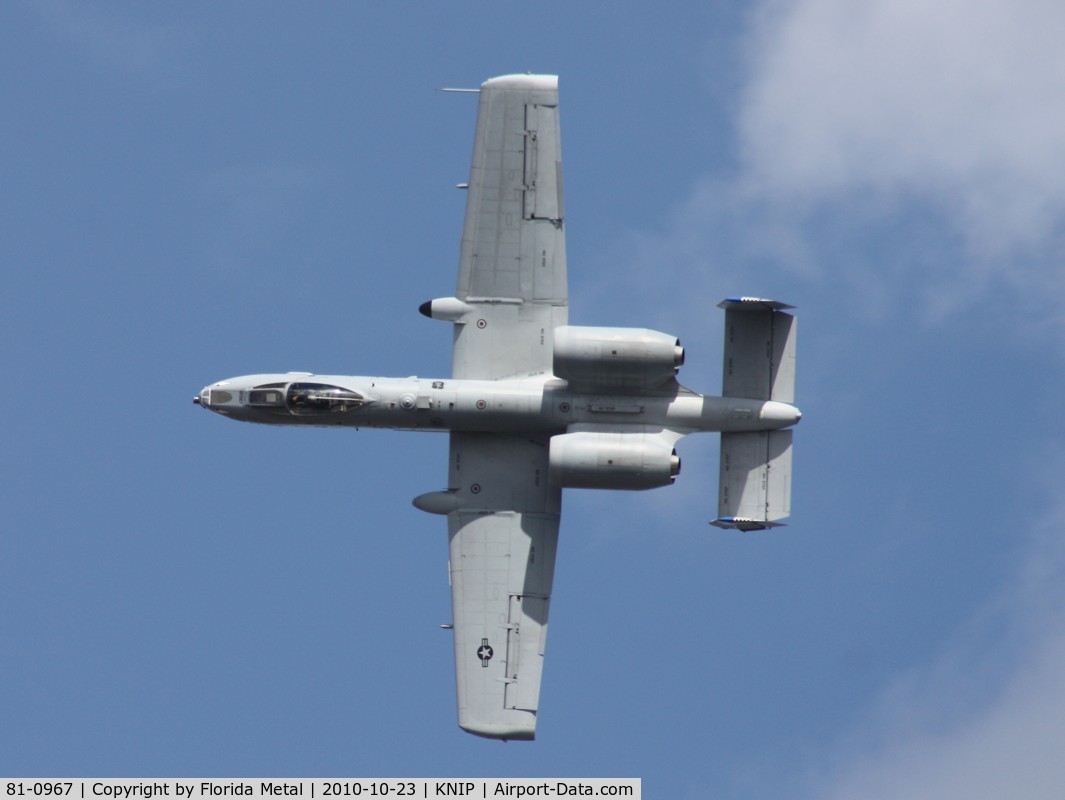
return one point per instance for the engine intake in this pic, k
(616, 358)
(594, 460)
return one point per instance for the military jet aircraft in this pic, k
(535, 405)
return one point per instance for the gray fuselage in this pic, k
(536, 405)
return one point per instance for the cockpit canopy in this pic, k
(304, 399)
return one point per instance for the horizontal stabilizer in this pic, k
(755, 484)
(759, 360)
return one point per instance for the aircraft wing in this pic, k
(503, 537)
(503, 522)
(512, 262)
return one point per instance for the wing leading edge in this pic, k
(503, 529)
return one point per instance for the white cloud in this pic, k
(921, 145)
(890, 147)
(953, 102)
(891, 153)
(975, 725)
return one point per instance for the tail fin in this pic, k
(755, 483)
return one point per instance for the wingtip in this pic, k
(752, 303)
(543, 83)
(744, 524)
(504, 733)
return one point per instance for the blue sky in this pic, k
(195, 192)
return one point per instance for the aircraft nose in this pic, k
(213, 399)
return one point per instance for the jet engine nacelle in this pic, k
(594, 460)
(616, 358)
